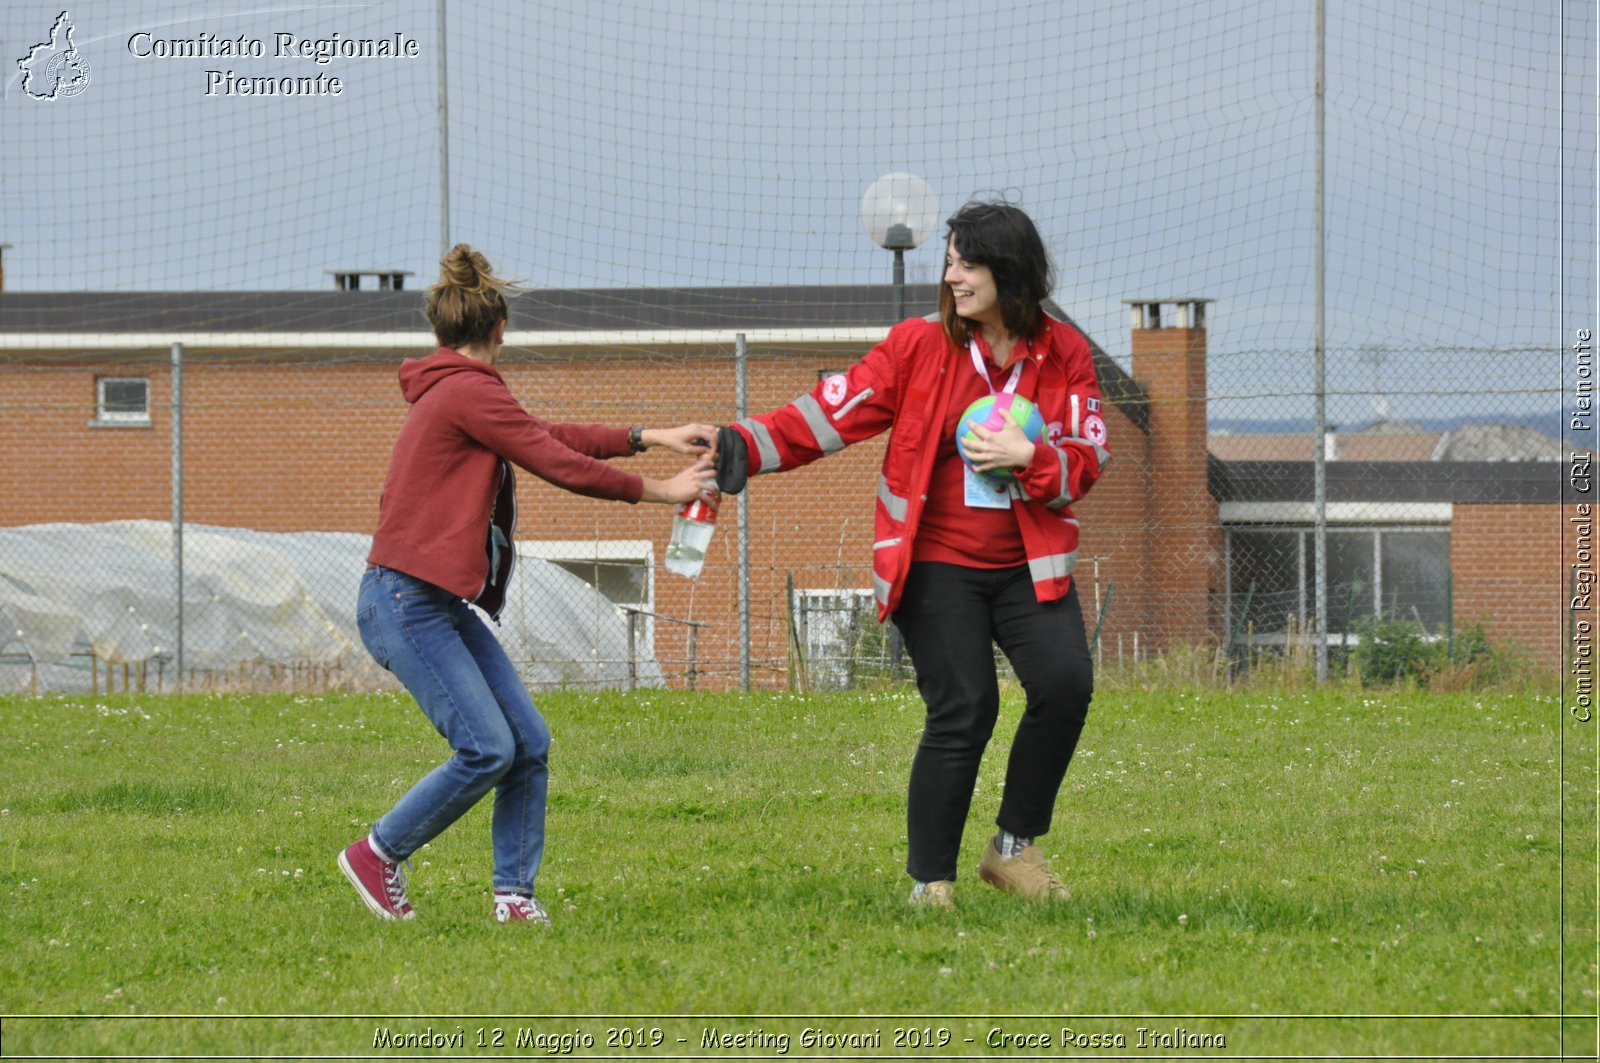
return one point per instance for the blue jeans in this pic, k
(463, 681)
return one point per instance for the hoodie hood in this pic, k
(419, 375)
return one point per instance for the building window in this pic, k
(1352, 577)
(625, 582)
(621, 570)
(1397, 573)
(122, 401)
(1265, 578)
(1414, 577)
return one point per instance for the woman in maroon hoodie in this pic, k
(444, 540)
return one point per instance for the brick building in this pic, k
(289, 407)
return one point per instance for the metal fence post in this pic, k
(1319, 456)
(443, 69)
(177, 507)
(633, 651)
(741, 398)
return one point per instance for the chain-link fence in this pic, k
(199, 399)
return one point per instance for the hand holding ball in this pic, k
(989, 413)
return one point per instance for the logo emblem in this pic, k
(833, 389)
(1094, 430)
(1053, 432)
(55, 68)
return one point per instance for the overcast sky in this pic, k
(1165, 149)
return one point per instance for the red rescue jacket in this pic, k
(903, 384)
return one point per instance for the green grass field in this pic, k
(732, 866)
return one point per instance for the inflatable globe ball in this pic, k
(989, 412)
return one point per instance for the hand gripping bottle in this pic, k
(691, 536)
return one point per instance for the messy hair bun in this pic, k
(468, 300)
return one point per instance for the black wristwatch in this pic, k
(636, 439)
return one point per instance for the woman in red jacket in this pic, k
(969, 556)
(445, 538)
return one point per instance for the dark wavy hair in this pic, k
(1003, 238)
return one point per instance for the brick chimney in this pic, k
(1169, 359)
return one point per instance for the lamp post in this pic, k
(899, 211)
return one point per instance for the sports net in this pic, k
(669, 177)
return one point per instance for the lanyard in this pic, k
(983, 374)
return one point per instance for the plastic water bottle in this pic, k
(691, 536)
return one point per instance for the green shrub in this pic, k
(1392, 649)
(1473, 664)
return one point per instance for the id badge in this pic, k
(984, 493)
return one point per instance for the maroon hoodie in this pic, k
(433, 518)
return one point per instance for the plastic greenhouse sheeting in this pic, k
(259, 598)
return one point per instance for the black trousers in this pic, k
(949, 616)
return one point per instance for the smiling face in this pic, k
(972, 286)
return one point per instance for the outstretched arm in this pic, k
(842, 409)
(693, 482)
(685, 439)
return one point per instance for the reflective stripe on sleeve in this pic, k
(765, 447)
(1052, 566)
(892, 502)
(880, 589)
(1064, 494)
(1101, 454)
(822, 430)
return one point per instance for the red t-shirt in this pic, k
(952, 531)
